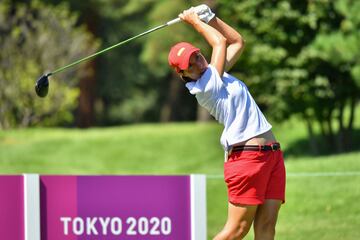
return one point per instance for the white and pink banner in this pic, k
(37, 207)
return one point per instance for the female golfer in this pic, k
(254, 167)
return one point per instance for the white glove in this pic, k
(204, 13)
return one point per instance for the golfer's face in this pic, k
(197, 66)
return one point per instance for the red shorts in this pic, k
(253, 176)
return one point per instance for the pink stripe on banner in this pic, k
(11, 207)
(58, 201)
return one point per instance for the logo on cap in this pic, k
(181, 50)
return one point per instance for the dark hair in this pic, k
(186, 79)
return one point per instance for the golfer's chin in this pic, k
(203, 67)
(197, 75)
(202, 70)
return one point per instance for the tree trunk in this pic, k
(85, 113)
(313, 144)
(325, 134)
(340, 136)
(322, 129)
(330, 132)
(87, 85)
(349, 127)
(168, 110)
(203, 115)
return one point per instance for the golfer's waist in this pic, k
(267, 147)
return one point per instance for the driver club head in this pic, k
(42, 85)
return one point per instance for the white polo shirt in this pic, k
(229, 101)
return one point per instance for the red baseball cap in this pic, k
(179, 55)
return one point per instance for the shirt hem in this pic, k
(247, 138)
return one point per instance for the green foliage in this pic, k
(36, 38)
(302, 57)
(133, 79)
(125, 86)
(157, 46)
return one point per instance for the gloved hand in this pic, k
(204, 13)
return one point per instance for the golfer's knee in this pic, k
(234, 233)
(265, 229)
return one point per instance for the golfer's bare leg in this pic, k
(240, 218)
(265, 219)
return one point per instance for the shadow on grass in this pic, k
(302, 147)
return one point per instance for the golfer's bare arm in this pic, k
(216, 40)
(235, 42)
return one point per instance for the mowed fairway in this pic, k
(322, 192)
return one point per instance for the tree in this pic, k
(36, 38)
(119, 93)
(88, 17)
(301, 58)
(134, 82)
(176, 102)
(332, 60)
(126, 89)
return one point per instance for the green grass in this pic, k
(317, 207)
(168, 149)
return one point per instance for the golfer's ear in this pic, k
(218, 56)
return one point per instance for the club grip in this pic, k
(176, 20)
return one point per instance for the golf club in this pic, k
(42, 84)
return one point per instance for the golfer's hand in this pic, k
(190, 16)
(204, 12)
